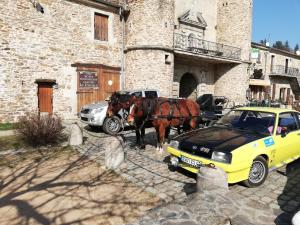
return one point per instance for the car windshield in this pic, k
(260, 122)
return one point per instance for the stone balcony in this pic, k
(288, 72)
(280, 70)
(206, 49)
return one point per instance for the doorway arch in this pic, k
(188, 86)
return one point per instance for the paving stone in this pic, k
(147, 169)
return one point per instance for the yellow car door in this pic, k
(297, 149)
(287, 139)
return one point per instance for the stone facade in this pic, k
(149, 41)
(203, 73)
(279, 70)
(224, 21)
(44, 46)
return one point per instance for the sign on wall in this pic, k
(254, 53)
(88, 79)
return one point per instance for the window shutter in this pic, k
(101, 27)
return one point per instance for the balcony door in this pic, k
(286, 66)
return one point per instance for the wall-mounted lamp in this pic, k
(37, 6)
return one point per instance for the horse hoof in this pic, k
(142, 146)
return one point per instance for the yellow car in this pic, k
(246, 143)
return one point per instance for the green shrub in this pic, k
(7, 126)
(38, 129)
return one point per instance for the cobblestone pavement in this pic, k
(149, 170)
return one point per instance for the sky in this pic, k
(276, 20)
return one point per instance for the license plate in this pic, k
(191, 162)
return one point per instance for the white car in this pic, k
(95, 114)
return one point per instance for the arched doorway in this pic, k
(188, 86)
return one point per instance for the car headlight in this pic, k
(95, 111)
(221, 157)
(174, 144)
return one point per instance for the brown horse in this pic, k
(119, 101)
(165, 113)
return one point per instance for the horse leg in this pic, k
(167, 134)
(193, 123)
(142, 138)
(138, 137)
(157, 137)
(162, 131)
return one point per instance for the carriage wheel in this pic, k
(112, 125)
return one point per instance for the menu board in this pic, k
(88, 79)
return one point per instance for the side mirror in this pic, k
(284, 131)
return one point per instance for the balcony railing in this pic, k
(285, 71)
(203, 47)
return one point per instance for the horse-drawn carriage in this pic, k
(164, 113)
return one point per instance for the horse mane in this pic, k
(149, 105)
(120, 97)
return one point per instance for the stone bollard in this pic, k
(76, 137)
(296, 219)
(114, 152)
(211, 179)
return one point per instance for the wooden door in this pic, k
(45, 97)
(98, 83)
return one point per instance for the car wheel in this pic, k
(258, 172)
(112, 125)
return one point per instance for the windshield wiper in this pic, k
(224, 124)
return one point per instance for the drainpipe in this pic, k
(121, 13)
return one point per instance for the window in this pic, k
(137, 94)
(287, 121)
(272, 63)
(101, 27)
(286, 66)
(151, 94)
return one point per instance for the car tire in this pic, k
(112, 125)
(258, 172)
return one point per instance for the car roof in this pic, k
(136, 90)
(267, 109)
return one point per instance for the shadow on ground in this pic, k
(64, 188)
(289, 199)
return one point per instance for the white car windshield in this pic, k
(262, 122)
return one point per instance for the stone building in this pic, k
(61, 54)
(275, 75)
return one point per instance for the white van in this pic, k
(95, 114)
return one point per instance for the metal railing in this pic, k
(203, 47)
(257, 77)
(285, 71)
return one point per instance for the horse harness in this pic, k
(148, 107)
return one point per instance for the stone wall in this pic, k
(233, 17)
(234, 24)
(149, 42)
(232, 81)
(208, 9)
(43, 46)
(150, 23)
(148, 69)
